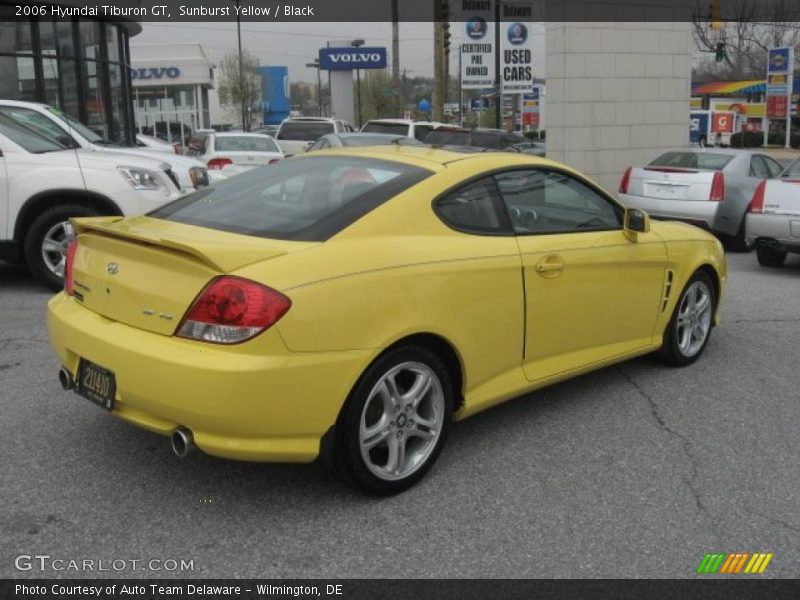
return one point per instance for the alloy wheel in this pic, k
(401, 421)
(694, 318)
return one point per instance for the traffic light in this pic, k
(719, 52)
(445, 17)
(715, 20)
(446, 36)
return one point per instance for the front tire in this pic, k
(690, 326)
(770, 257)
(395, 421)
(46, 242)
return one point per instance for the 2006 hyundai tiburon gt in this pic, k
(365, 297)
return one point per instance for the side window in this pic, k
(541, 201)
(472, 208)
(420, 131)
(758, 168)
(206, 144)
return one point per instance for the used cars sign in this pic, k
(349, 59)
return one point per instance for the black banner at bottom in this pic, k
(389, 589)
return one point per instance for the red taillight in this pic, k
(626, 179)
(231, 310)
(69, 273)
(717, 192)
(757, 203)
(218, 163)
(273, 160)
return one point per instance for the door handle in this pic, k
(547, 268)
(550, 266)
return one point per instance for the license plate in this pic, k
(664, 191)
(96, 384)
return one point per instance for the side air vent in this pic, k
(669, 276)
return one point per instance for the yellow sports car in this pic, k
(356, 301)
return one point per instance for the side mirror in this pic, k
(636, 221)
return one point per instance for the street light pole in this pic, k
(358, 44)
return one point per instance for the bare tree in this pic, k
(237, 91)
(750, 28)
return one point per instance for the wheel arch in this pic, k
(716, 280)
(38, 203)
(442, 348)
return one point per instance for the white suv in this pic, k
(44, 183)
(188, 174)
(406, 127)
(295, 135)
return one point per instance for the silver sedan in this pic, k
(710, 188)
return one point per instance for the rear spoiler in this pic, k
(222, 256)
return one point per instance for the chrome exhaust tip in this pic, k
(65, 379)
(182, 442)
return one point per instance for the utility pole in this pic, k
(438, 61)
(400, 101)
(316, 65)
(498, 80)
(241, 68)
(357, 44)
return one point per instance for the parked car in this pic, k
(296, 134)
(710, 188)
(773, 217)
(405, 127)
(188, 174)
(173, 132)
(485, 139)
(146, 143)
(356, 301)
(44, 182)
(196, 142)
(270, 130)
(340, 140)
(242, 150)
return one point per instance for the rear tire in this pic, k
(395, 421)
(738, 242)
(770, 257)
(46, 242)
(690, 327)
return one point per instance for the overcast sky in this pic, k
(295, 44)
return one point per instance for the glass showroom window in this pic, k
(78, 66)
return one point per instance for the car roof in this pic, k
(431, 157)
(362, 134)
(239, 134)
(714, 150)
(310, 119)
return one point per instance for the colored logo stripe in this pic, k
(721, 562)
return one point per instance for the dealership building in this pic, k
(171, 85)
(79, 66)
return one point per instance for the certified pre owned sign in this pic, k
(349, 59)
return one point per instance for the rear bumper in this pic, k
(696, 212)
(784, 229)
(242, 405)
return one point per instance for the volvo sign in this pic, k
(350, 59)
(156, 73)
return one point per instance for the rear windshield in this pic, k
(449, 138)
(369, 140)
(304, 131)
(244, 143)
(308, 199)
(393, 128)
(693, 160)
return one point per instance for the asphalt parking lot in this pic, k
(633, 471)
